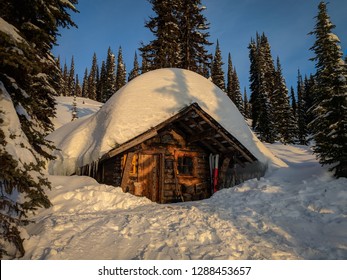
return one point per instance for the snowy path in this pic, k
(298, 212)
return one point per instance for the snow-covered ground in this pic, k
(85, 107)
(294, 212)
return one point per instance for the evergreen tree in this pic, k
(91, 85)
(163, 51)
(217, 73)
(110, 79)
(284, 121)
(180, 36)
(136, 69)
(237, 93)
(262, 88)
(301, 112)
(193, 37)
(85, 84)
(74, 109)
(65, 82)
(71, 79)
(78, 88)
(121, 72)
(28, 85)
(229, 89)
(330, 96)
(100, 87)
(246, 105)
(293, 99)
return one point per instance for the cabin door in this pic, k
(149, 175)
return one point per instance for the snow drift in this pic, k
(143, 103)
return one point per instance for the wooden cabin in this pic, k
(170, 162)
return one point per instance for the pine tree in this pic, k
(28, 85)
(237, 93)
(65, 82)
(136, 69)
(229, 89)
(91, 84)
(101, 85)
(71, 79)
(194, 36)
(217, 73)
(301, 112)
(121, 72)
(262, 88)
(284, 121)
(330, 96)
(180, 36)
(78, 89)
(85, 84)
(246, 105)
(110, 79)
(74, 109)
(293, 103)
(162, 51)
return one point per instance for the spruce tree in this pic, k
(71, 79)
(85, 84)
(136, 69)
(284, 121)
(91, 83)
(28, 86)
(110, 78)
(193, 38)
(78, 88)
(330, 96)
(262, 88)
(121, 71)
(100, 87)
(301, 112)
(229, 88)
(293, 103)
(237, 93)
(163, 50)
(65, 82)
(217, 73)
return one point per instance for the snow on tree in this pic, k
(217, 73)
(301, 112)
(28, 85)
(330, 96)
(74, 109)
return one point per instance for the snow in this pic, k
(142, 104)
(10, 30)
(294, 212)
(85, 107)
(17, 143)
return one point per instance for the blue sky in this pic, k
(233, 22)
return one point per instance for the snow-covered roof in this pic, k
(143, 103)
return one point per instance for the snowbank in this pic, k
(143, 103)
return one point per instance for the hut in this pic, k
(162, 136)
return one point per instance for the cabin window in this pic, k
(185, 165)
